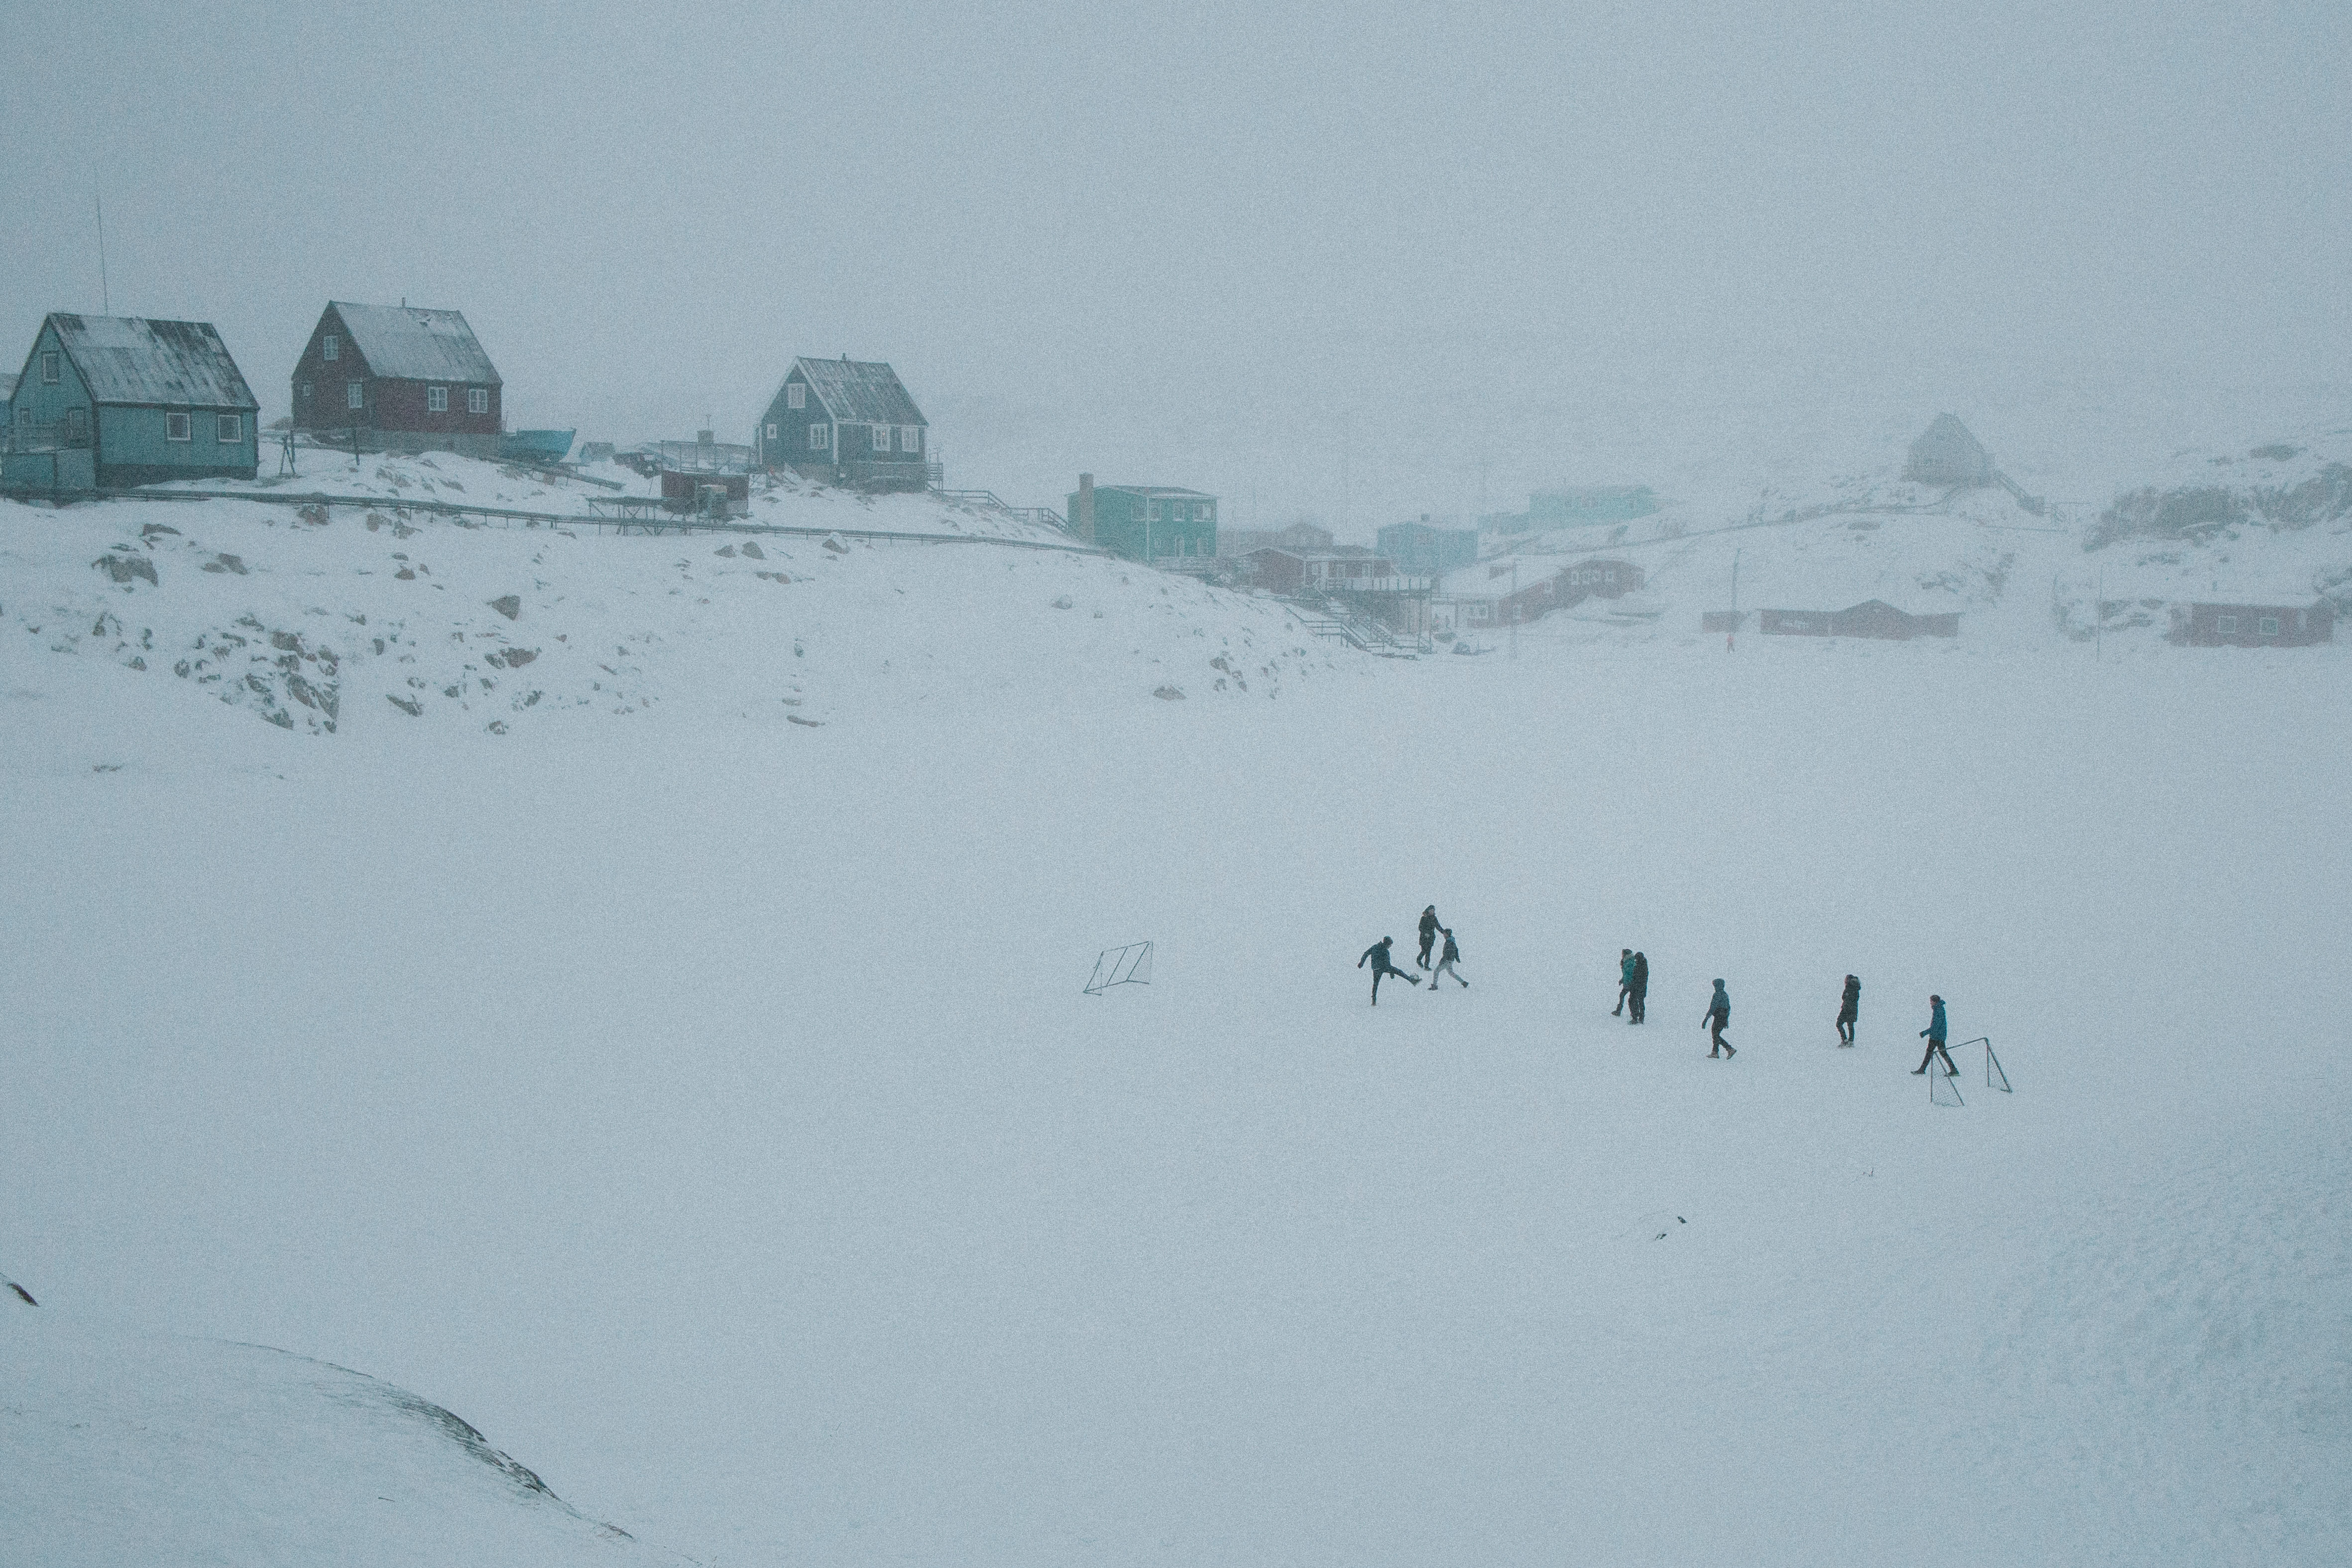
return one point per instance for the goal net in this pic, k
(1129, 966)
(1942, 1087)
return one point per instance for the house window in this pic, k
(436, 400)
(49, 368)
(78, 423)
(355, 394)
(477, 400)
(229, 429)
(772, 432)
(881, 437)
(2225, 626)
(176, 427)
(796, 395)
(329, 347)
(910, 437)
(1151, 511)
(816, 438)
(305, 389)
(2270, 625)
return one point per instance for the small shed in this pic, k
(109, 401)
(2252, 625)
(1946, 453)
(399, 378)
(846, 422)
(708, 493)
(1871, 618)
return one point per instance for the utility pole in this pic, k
(1515, 609)
(1732, 636)
(105, 296)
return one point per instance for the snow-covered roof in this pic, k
(409, 343)
(1156, 492)
(130, 359)
(865, 392)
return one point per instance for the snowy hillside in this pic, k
(378, 617)
(117, 1447)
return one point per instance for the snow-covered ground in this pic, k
(704, 1106)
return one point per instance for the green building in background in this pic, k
(1144, 522)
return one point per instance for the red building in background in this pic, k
(395, 378)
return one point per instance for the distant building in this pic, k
(1485, 597)
(1946, 453)
(1575, 507)
(107, 401)
(1301, 535)
(2252, 625)
(1343, 569)
(1871, 618)
(8, 420)
(846, 422)
(398, 378)
(1425, 549)
(1144, 522)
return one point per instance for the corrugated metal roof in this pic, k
(866, 392)
(412, 344)
(130, 358)
(1159, 492)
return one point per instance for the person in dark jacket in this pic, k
(1848, 1010)
(1933, 1035)
(1447, 960)
(1377, 955)
(1717, 1019)
(1624, 979)
(1637, 1000)
(1429, 929)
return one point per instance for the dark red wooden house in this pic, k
(397, 378)
(2252, 625)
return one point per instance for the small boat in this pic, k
(539, 447)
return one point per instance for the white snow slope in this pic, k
(704, 1106)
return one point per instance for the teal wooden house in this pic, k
(105, 401)
(1144, 522)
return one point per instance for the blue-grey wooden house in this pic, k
(1144, 522)
(111, 401)
(1425, 549)
(846, 422)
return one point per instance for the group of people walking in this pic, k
(1431, 930)
(1634, 991)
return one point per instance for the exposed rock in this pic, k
(833, 542)
(1063, 603)
(1169, 694)
(125, 568)
(409, 705)
(752, 548)
(153, 529)
(804, 723)
(726, 550)
(508, 604)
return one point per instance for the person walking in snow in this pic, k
(1933, 1035)
(1429, 929)
(1637, 1000)
(1717, 1019)
(1446, 963)
(1848, 1010)
(1624, 979)
(1377, 955)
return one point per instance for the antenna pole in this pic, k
(105, 296)
(1732, 636)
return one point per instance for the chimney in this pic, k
(1084, 521)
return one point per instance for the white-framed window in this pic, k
(477, 400)
(176, 428)
(2225, 626)
(881, 437)
(817, 442)
(305, 389)
(330, 347)
(2270, 627)
(772, 432)
(355, 394)
(1151, 511)
(796, 395)
(436, 400)
(910, 437)
(49, 368)
(229, 429)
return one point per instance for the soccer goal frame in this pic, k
(1129, 966)
(1943, 1087)
(1996, 1077)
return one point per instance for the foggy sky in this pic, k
(1236, 247)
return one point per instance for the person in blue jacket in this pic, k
(1848, 1010)
(1377, 955)
(1624, 979)
(1933, 1035)
(1717, 1019)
